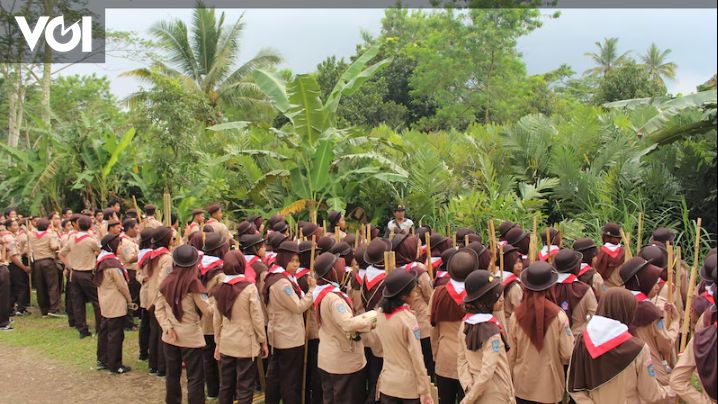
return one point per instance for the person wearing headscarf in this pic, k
(657, 255)
(114, 296)
(520, 239)
(649, 324)
(239, 332)
(180, 302)
(341, 358)
(156, 266)
(540, 338)
(574, 297)
(608, 364)
(551, 246)
(611, 255)
(439, 246)
(336, 219)
(254, 249)
(403, 379)
(143, 255)
(482, 361)
(704, 298)
(441, 272)
(699, 357)
(513, 291)
(286, 304)
(356, 279)
(586, 273)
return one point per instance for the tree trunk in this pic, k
(16, 106)
(45, 111)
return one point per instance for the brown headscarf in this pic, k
(225, 294)
(444, 308)
(180, 282)
(406, 251)
(586, 373)
(477, 334)
(535, 313)
(605, 264)
(704, 350)
(108, 262)
(646, 314)
(569, 295)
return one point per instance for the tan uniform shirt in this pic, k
(22, 242)
(681, 378)
(189, 331)
(661, 341)
(513, 299)
(207, 321)
(45, 246)
(128, 252)
(539, 375)
(404, 374)
(285, 314)
(484, 374)
(583, 312)
(81, 254)
(420, 305)
(113, 293)
(150, 223)
(447, 347)
(161, 266)
(9, 248)
(241, 336)
(337, 353)
(219, 227)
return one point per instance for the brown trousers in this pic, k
(192, 357)
(4, 296)
(238, 377)
(109, 341)
(349, 388)
(284, 376)
(84, 290)
(46, 281)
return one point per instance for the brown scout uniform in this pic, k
(219, 227)
(149, 223)
(241, 336)
(113, 294)
(128, 252)
(80, 252)
(661, 342)
(514, 294)
(484, 374)
(612, 254)
(540, 374)
(285, 313)
(682, 375)
(189, 331)
(44, 246)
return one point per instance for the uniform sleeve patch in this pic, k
(651, 370)
(495, 345)
(568, 330)
(288, 291)
(417, 333)
(204, 297)
(341, 309)
(660, 324)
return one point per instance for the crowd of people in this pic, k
(315, 314)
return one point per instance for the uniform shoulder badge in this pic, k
(495, 345)
(288, 291)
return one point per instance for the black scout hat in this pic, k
(505, 226)
(655, 255)
(515, 235)
(661, 235)
(185, 256)
(584, 244)
(478, 283)
(539, 276)
(374, 254)
(611, 230)
(464, 262)
(567, 261)
(396, 281)
(631, 267)
(212, 241)
(324, 263)
(250, 240)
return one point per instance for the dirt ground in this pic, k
(23, 381)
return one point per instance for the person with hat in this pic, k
(108, 215)
(196, 224)
(611, 255)
(156, 266)
(286, 303)
(441, 274)
(503, 229)
(180, 302)
(521, 240)
(438, 245)
(245, 227)
(540, 338)
(551, 246)
(586, 273)
(356, 279)
(215, 213)
(658, 256)
(19, 271)
(661, 236)
(79, 256)
(447, 312)
(274, 219)
(345, 252)
(45, 245)
(150, 222)
(274, 240)
(114, 296)
(341, 359)
(608, 364)
(642, 278)
(513, 292)
(281, 227)
(258, 222)
(403, 378)
(253, 248)
(462, 233)
(4, 288)
(238, 331)
(482, 362)
(704, 299)
(336, 219)
(701, 358)
(400, 223)
(574, 297)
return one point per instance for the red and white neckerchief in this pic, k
(320, 291)
(209, 262)
(270, 257)
(276, 269)
(211, 220)
(158, 251)
(408, 267)
(422, 250)
(359, 276)
(603, 334)
(708, 296)
(509, 277)
(81, 236)
(403, 307)
(503, 243)
(441, 274)
(584, 268)
(248, 269)
(640, 296)
(457, 291)
(373, 276)
(235, 279)
(40, 234)
(436, 262)
(105, 255)
(479, 318)
(612, 249)
(545, 254)
(71, 233)
(143, 255)
(301, 271)
(566, 278)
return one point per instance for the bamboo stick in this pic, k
(679, 272)
(356, 240)
(627, 245)
(386, 262)
(492, 244)
(167, 206)
(639, 236)
(137, 208)
(669, 281)
(429, 267)
(549, 258)
(501, 263)
(391, 234)
(466, 240)
(532, 248)
(691, 286)
(337, 234)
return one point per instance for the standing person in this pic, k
(19, 272)
(441, 273)
(551, 246)
(252, 246)
(586, 273)
(129, 255)
(447, 312)
(69, 228)
(540, 339)
(238, 331)
(4, 287)
(196, 224)
(180, 302)
(66, 213)
(313, 381)
(341, 358)
(611, 255)
(521, 240)
(513, 291)
(483, 365)
(215, 221)
(574, 297)
(658, 256)
(400, 223)
(157, 268)
(79, 257)
(150, 221)
(286, 304)
(608, 364)
(143, 256)
(45, 245)
(403, 378)
(503, 229)
(336, 219)
(114, 296)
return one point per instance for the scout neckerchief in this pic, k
(276, 269)
(373, 276)
(142, 256)
(612, 249)
(249, 272)
(301, 271)
(708, 295)
(509, 278)
(457, 291)
(403, 307)
(436, 262)
(479, 327)
(584, 268)
(270, 257)
(106, 255)
(359, 276)
(545, 254)
(209, 262)
(603, 334)
(321, 291)
(566, 278)
(640, 296)
(481, 318)
(81, 236)
(40, 234)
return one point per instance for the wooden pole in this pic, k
(167, 205)
(639, 236)
(386, 262)
(501, 263)
(492, 245)
(137, 208)
(356, 240)
(466, 240)
(627, 245)
(429, 267)
(535, 232)
(679, 272)
(549, 258)
(669, 281)
(337, 234)
(533, 244)
(691, 286)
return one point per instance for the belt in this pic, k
(43, 259)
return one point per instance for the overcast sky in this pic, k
(304, 37)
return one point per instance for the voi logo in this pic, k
(81, 31)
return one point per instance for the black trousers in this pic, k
(313, 389)
(109, 341)
(134, 287)
(83, 290)
(68, 303)
(450, 391)
(428, 356)
(4, 295)
(238, 378)
(192, 357)
(347, 388)
(373, 369)
(211, 369)
(19, 288)
(155, 348)
(284, 376)
(46, 282)
(144, 333)
(384, 399)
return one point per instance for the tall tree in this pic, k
(655, 63)
(607, 57)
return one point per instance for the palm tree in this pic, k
(607, 57)
(203, 55)
(655, 63)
